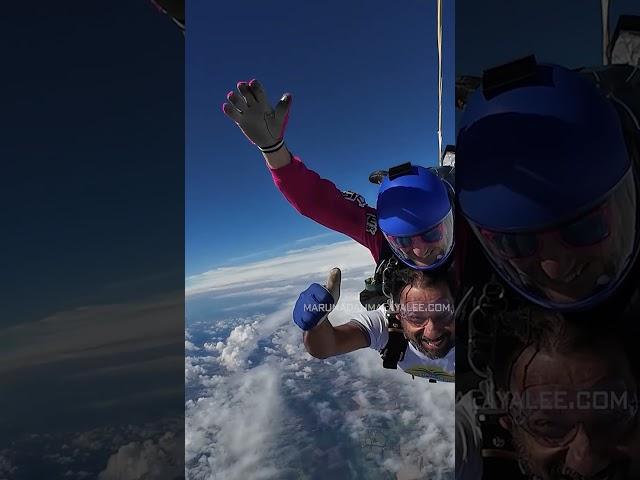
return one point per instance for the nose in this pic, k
(420, 252)
(552, 268)
(428, 328)
(555, 262)
(420, 247)
(585, 457)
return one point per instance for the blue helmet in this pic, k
(415, 216)
(545, 180)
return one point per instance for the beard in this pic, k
(617, 470)
(434, 353)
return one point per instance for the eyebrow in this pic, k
(440, 300)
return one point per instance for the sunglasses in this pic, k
(557, 428)
(588, 230)
(430, 236)
(440, 315)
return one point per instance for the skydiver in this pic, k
(414, 215)
(567, 404)
(547, 180)
(424, 304)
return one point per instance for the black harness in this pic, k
(485, 307)
(378, 288)
(377, 292)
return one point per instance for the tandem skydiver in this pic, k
(564, 404)
(414, 214)
(547, 182)
(413, 222)
(547, 179)
(424, 304)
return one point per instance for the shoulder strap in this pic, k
(621, 85)
(393, 352)
(447, 174)
(372, 296)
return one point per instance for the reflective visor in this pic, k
(571, 265)
(426, 250)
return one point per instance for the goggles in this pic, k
(426, 250)
(440, 314)
(552, 415)
(586, 231)
(575, 264)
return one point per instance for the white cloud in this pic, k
(192, 372)
(93, 331)
(351, 396)
(231, 433)
(324, 411)
(282, 270)
(316, 237)
(234, 353)
(148, 460)
(7, 468)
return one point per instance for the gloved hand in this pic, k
(261, 124)
(315, 303)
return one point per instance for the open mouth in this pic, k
(435, 342)
(574, 273)
(423, 255)
(432, 253)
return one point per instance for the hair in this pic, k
(420, 279)
(550, 332)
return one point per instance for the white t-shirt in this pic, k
(374, 324)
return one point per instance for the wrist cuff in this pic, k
(273, 148)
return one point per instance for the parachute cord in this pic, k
(439, 35)
(605, 31)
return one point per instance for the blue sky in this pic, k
(364, 81)
(492, 32)
(92, 135)
(92, 195)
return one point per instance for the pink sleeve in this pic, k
(320, 200)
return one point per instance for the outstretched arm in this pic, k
(320, 200)
(312, 196)
(326, 341)
(321, 339)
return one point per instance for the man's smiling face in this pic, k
(573, 409)
(426, 314)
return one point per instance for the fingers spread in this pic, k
(258, 92)
(282, 108)
(243, 88)
(237, 101)
(231, 112)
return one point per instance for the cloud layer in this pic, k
(258, 406)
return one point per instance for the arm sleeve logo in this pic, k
(354, 197)
(372, 223)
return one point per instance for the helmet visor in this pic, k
(426, 250)
(568, 265)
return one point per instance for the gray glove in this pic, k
(261, 124)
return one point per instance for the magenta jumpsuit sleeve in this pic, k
(320, 200)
